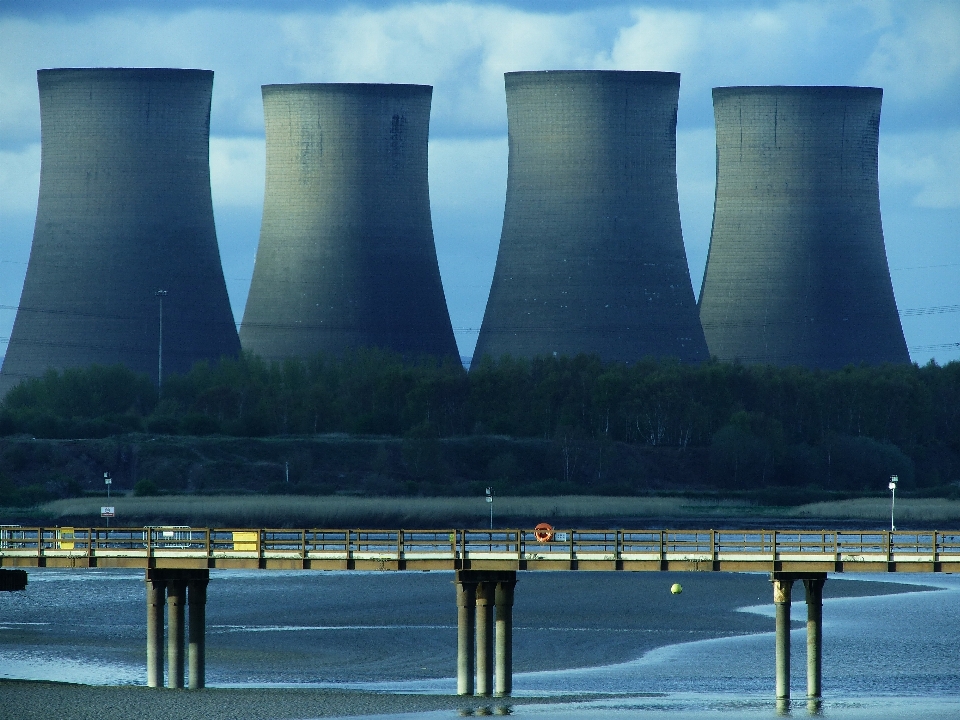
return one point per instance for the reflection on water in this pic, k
(891, 656)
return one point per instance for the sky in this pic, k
(910, 48)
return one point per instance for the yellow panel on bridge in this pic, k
(246, 540)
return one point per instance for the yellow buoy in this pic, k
(676, 588)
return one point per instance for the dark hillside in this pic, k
(372, 424)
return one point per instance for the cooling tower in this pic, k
(346, 256)
(124, 211)
(591, 255)
(797, 271)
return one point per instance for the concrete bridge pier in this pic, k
(814, 595)
(480, 594)
(196, 654)
(176, 594)
(466, 629)
(156, 590)
(503, 601)
(781, 599)
(782, 591)
(181, 587)
(485, 597)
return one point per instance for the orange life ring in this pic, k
(543, 532)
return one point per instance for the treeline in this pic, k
(758, 425)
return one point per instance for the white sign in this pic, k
(560, 537)
(106, 511)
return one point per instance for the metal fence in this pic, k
(452, 545)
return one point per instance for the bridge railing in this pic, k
(498, 544)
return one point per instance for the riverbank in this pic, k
(579, 511)
(29, 700)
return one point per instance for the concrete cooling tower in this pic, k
(346, 256)
(591, 255)
(124, 211)
(797, 271)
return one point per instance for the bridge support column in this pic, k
(813, 584)
(485, 604)
(479, 594)
(180, 587)
(466, 629)
(197, 599)
(156, 589)
(814, 593)
(503, 602)
(782, 587)
(176, 594)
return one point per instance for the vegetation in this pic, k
(375, 424)
(566, 511)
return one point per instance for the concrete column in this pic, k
(155, 592)
(485, 600)
(176, 593)
(781, 598)
(466, 629)
(503, 601)
(197, 599)
(814, 593)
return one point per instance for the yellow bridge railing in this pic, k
(457, 549)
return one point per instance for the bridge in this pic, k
(177, 561)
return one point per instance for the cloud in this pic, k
(237, 171)
(468, 173)
(20, 180)
(461, 49)
(917, 56)
(923, 165)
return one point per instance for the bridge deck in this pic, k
(596, 550)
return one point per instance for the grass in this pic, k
(446, 512)
(913, 510)
(341, 511)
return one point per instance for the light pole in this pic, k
(108, 481)
(490, 502)
(160, 294)
(893, 499)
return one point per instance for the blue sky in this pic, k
(909, 48)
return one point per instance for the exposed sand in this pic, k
(26, 700)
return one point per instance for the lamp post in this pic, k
(893, 499)
(160, 294)
(490, 502)
(108, 481)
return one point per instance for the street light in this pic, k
(108, 481)
(160, 294)
(490, 502)
(893, 499)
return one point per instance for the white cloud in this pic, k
(20, 180)
(918, 54)
(466, 174)
(924, 165)
(696, 182)
(237, 171)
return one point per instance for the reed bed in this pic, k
(913, 510)
(292, 511)
(345, 511)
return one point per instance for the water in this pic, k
(695, 655)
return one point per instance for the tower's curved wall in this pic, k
(591, 255)
(124, 210)
(346, 256)
(797, 271)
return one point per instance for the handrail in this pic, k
(506, 545)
